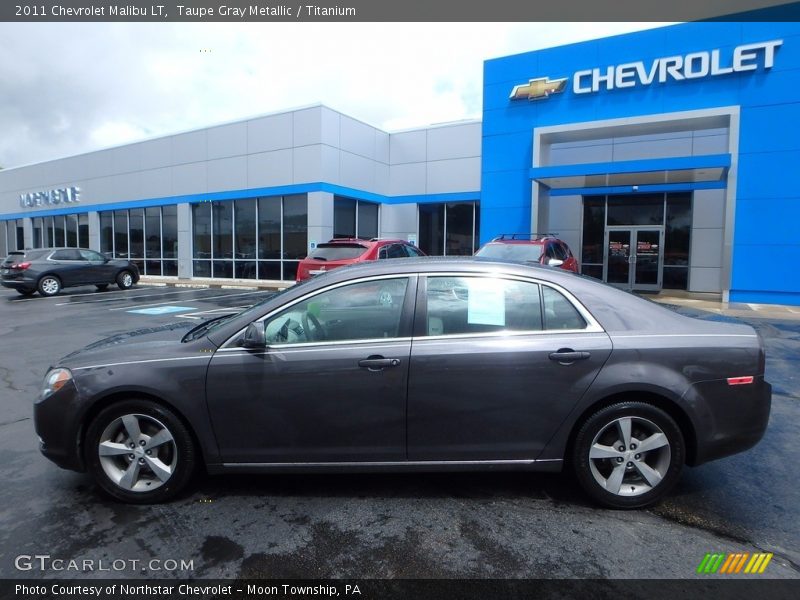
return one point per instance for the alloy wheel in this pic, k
(137, 452)
(630, 456)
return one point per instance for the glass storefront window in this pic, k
(269, 228)
(449, 229)
(83, 230)
(368, 220)
(121, 234)
(459, 228)
(59, 240)
(250, 238)
(169, 231)
(344, 217)
(4, 238)
(201, 229)
(672, 211)
(355, 218)
(145, 235)
(106, 233)
(295, 227)
(72, 230)
(639, 209)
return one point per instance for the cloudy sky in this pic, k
(72, 88)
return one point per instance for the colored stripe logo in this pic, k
(735, 563)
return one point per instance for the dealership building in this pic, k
(666, 159)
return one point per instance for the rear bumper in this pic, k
(735, 417)
(16, 284)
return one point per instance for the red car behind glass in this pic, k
(346, 251)
(542, 248)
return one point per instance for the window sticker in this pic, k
(486, 303)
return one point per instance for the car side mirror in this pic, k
(254, 336)
(555, 262)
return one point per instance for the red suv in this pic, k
(346, 251)
(542, 248)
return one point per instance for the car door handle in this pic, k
(378, 363)
(567, 355)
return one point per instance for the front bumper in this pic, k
(56, 422)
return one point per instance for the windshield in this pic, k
(520, 252)
(212, 324)
(337, 251)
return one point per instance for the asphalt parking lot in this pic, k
(498, 525)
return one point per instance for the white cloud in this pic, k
(76, 87)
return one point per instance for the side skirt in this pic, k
(549, 465)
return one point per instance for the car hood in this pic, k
(139, 344)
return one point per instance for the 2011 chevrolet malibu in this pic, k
(414, 364)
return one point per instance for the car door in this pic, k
(331, 384)
(69, 266)
(496, 366)
(98, 269)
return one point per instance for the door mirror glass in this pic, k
(254, 336)
(555, 262)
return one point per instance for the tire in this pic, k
(26, 292)
(49, 285)
(626, 478)
(157, 472)
(102, 287)
(125, 280)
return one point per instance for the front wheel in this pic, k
(628, 455)
(102, 287)
(25, 293)
(139, 452)
(125, 280)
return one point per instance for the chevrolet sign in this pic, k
(56, 197)
(696, 65)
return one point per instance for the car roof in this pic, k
(372, 241)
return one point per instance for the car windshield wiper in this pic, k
(201, 329)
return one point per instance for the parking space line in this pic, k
(115, 298)
(203, 299)
(199, 314)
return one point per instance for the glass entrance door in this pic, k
(634, 257)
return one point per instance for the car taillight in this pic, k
(740, 380)
(21, 266)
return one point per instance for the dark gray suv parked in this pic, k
(49, 270)
(414, 364)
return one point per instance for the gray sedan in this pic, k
(414, 364)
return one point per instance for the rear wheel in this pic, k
(49, 285)
(125, 280)
(139, 452)
(628, 455)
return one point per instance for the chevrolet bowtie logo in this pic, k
(536, 89)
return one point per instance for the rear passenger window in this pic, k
(559, 313)
(67, 255)
(468, 305)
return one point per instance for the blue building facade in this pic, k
(666, 158)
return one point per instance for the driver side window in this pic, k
(359, 311)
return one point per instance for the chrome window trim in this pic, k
(592, 325)
(305, 346)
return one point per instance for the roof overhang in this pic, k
(646, 172)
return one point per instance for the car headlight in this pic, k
(54, 381)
